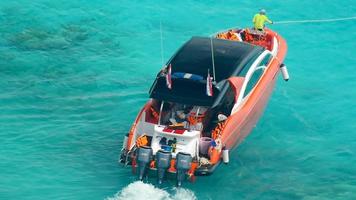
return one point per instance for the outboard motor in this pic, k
(163, 161)
(144, 156)
(183, 164)
(123, 156)
(284, 71)
(124, 144)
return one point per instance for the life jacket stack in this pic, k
(216, 133)
(193, 120)
(141, 141)
(248, 36)
(230, 35)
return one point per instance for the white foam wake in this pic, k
(139, 190)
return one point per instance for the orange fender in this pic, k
(214, 155)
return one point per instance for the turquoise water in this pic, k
(73, 75)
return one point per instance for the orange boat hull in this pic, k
(240, 124)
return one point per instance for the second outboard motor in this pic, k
(144, 156)
(183, 164)
(163, 161)
(124, 143)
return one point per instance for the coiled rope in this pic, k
(302, 22)
(315, 20)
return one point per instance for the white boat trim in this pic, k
(255, 66)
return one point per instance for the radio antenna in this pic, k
(212, 57)
(162, 52)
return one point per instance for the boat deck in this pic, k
(260, 38)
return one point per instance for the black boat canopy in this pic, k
(194, 57)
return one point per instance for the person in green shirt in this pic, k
(259, 20)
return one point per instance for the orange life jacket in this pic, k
(228, 35)
(234, 37)
(141, 141)
(218, 129)
(192, 119)
(154, 113)
(248, 36)
(222, 36)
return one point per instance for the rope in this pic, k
(315, 20)
(301, 22)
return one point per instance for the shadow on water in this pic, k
(66, 36)
(39, 39)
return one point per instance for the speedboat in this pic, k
(203, 103)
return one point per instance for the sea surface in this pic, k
(74, 74)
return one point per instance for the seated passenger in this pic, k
(195, 118)
(178, 120)
(178, 117)
(197, 127)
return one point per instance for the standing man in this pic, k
(259, 20)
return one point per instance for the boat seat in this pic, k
(257, 32)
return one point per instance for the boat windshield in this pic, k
(183, 91)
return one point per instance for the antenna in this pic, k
(160, 28)
(212, 57)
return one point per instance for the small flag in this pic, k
(209, 85)
(169, 77)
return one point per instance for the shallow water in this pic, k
(73, 76)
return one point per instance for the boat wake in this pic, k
(140, 190)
